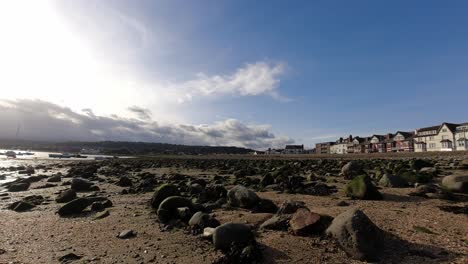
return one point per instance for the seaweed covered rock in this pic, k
(240, 196)
(362, 188)
(359, 237)
(162, 192)
(66, 196)
(81, 185)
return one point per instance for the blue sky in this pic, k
(333, 67)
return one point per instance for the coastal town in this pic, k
(443, 137)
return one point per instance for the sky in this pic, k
(254, 74)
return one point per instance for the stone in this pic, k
(290, 207)
(351, 170)
(394, 181)
(201, 220)
(456, 183)
(124, 181)
(102, 215)
(304, 222)
(168, 208)
(19, 187)
(430, 170)
(362, 188)
(277, 222)
(162, 192)
(359, 237)
(126, 234)
(196, 188)
(21, 206)
(66, 196)
(55, 178)
(240, 196)
(74, 207)
(266, 206)
(69, 257)
(97, 206)
(208, 232)
(226, 234)
(81, 185)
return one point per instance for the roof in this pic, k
(420, 142)
(294, 147)
(424, 129)
(445, 140)
(461, 139)
(405, 134)
(451, 127)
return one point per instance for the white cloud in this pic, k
(259, 78)
(41, 120)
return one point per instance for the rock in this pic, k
(304, 222)
(208, 232)
(161, 193)
(362, 188)
(429, 170)
(351, 170)
(201, 220)
(55, 178)
(290, 207)
(418, 164)
(456, 183)
(74, 207)
(168, 208)
(19, 187)
(66, 196)
(342, 203)
(127, 234)
(81, 185)
(97, 206)
(196, 188)
(240, 196)
(226, 234)
(21, 206)
(184, 213)
(102, 215)
(357, 235)
(69, 257)
(394, 181)
(266, 206)
(267, 180)
(124, 181)
(277, 222)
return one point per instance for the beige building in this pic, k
(436, 138)
(461, 137)
(339, 148)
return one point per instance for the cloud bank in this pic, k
(41, 120)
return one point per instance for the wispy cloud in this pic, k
(142, 113)
(259, 78)
(41, 120)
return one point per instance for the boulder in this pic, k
(240, 196)
(21, 206)
(304, 222)
(19, 187)
(168, 208)
(277, 222)
(124, 181)
(394, 181)
(362, 188)
(265, 206)
(351, 170)
(81, 185)
(74, 207)
(161, 193)
(290, 207)
(359, 237)
(456, 183)
(66, 196)
(55, 178)
(226, 234)
(201, 220)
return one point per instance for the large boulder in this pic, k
(161, 193)
(359, 237)
(351, 170)
(305, 222)
(226, 234)
(395, 181)
(55, 178)
(81, 185)
(240, 196)
(168, 208)
(277, 222)
(66, 196)
(362, 188)
(456, 183)
(74, 207)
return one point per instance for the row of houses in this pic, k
(289, 149)
(443, 137)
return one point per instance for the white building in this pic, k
(436, 138)
(461, 137)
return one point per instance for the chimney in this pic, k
(350, 138)
(341, 140)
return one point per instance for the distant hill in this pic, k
(121, 147)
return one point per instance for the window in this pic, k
(432, 145)
(444, 130)
(461, 143)
(447, 144)
(431, 138)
